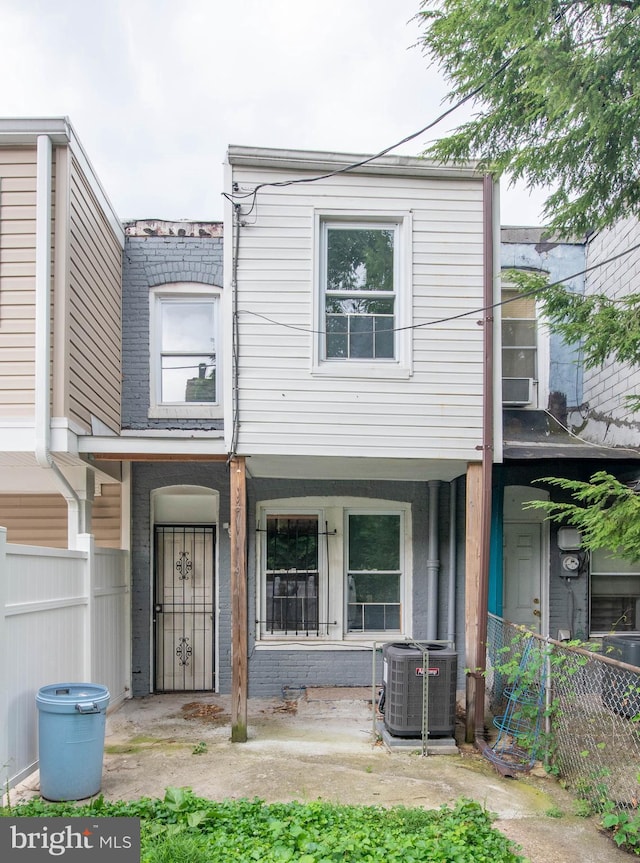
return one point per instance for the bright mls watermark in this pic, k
(104, 840)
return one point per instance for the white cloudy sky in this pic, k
(157, 89)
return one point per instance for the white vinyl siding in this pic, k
(433, 407)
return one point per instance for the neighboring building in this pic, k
(174, 458)
(561, 420)
(60, 335)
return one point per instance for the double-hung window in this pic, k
(292, 574)
(185, 378)
(374, 572)
(334, 569)
(519, 348)
(364, 296)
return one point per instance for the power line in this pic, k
(477, 311)
(235, 197)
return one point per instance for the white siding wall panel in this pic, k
(436, 412)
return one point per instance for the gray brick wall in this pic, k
(148, 262)
(272, 670)
(145, 479)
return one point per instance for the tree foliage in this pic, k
(605, 328)
(556, 84)
(605, 511)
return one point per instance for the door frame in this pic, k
(207, 609)
(514, 513)
(185, 504)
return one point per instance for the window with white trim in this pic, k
(292, 573)
(364, 302)
(519, 348)
(615, 594)
(185, 370)
(374, 571)
(333, 571)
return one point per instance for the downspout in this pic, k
(235, 420)
(43, 339)
(433, 562)
(453, 537)
(487, 457)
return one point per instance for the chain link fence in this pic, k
(585, 727)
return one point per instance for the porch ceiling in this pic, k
(337, 467)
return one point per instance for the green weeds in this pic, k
(184, 828)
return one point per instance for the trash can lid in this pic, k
(63, 695)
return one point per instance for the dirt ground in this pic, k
(324, 745)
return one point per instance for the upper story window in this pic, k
(185, 373)
(360, 286)
(519, 349)
(364, 296)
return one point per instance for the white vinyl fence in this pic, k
(64, 618)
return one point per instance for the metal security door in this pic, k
(184, 608)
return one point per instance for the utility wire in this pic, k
(477, 311)
(234, 197)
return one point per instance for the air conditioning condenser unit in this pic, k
(517, 392)
(403, 674)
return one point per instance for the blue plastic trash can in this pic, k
(71, 725)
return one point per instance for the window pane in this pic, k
(603, 561)
(360, 259)
(516, 305)
(384, 337)
(292, 543)
(292, 574)
(188, 379)
(519, 333)
(292, 602)
(188, 327)
(358, 334)
(374, 542)
(616, 606)
(518, 363)
(373, 602)
(361, 341)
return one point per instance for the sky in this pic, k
(157, 90)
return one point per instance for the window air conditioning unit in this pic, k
(403, 675)
(517, 392)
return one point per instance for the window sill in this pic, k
(174, 412)
(356, 370)
(313, 642)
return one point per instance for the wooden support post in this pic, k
(239, 637)
(472, 597)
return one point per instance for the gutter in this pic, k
(43, 339)
(489, 219)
